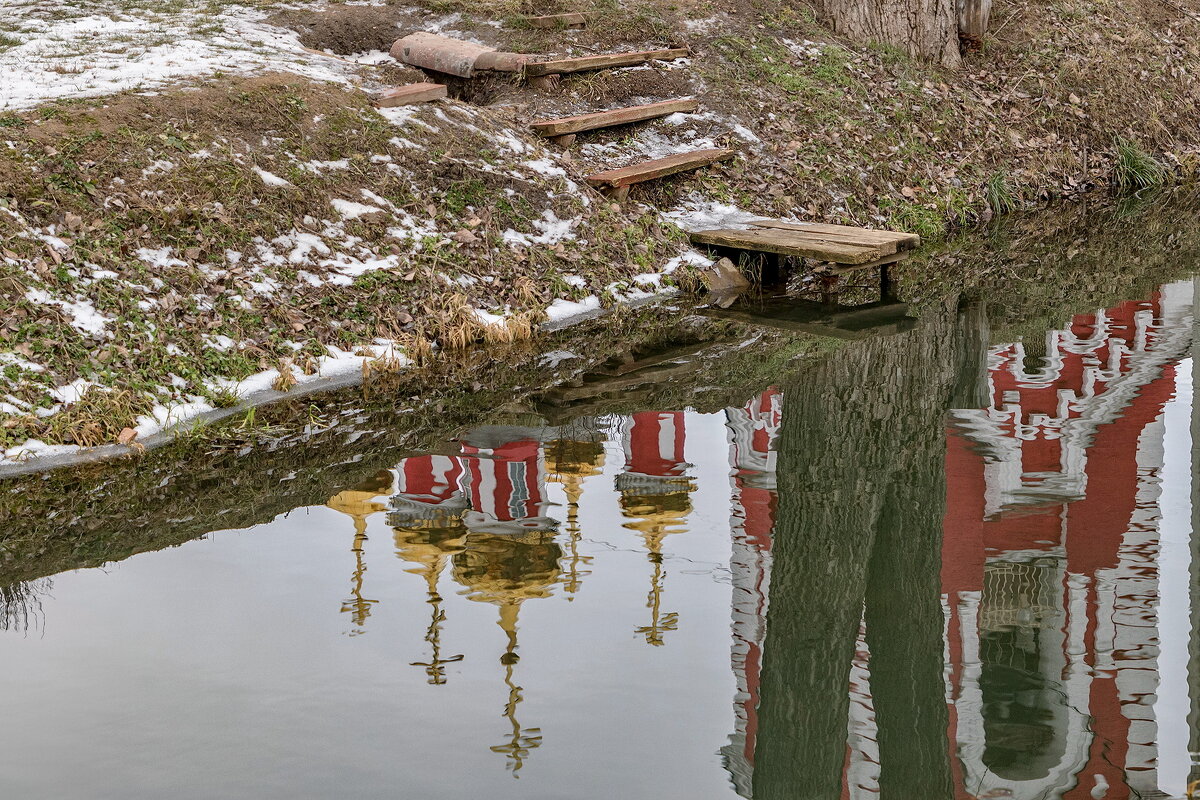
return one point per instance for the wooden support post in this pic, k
(885, 282)
(566, 140)
(619, 194)
(829, 288)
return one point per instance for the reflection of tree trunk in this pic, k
(859, 459)
(904, 624)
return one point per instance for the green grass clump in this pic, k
(999, 195)
(1135, 168)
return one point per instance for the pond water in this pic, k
(930, 563)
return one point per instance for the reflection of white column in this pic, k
(862, 733)
(1174, 606)
(1136, 642)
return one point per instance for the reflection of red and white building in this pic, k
(653, 444)
(427, 488)
(752, 432)
(497, 485)
(1050, 574)
(505, 483)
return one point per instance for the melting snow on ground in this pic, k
(96, 48)
(695, 214)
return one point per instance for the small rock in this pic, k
(724, 277)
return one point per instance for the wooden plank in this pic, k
(603, 385)
(407, 95)
(848, 233)
(659, 168)
(789, 243)
(614, 116)
(606, 61)
(672, 354)
(574, 20)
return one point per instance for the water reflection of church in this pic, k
(1050, 576)
(482, 515)
(1051, 559)
(1051, 566)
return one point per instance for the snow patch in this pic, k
(562, 309)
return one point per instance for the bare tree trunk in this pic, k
(973, 18)
(925, 29)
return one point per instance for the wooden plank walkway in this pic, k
(658, 168)
(614, 116)
(896, 240)
(840, 244)
(561, 66)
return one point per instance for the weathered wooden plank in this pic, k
(573, 20)
(613, 116)
(606, 61)
(659, 168)
(789, 243)
(671, 354)
(848, 233)
(603, 385)
(408, 95)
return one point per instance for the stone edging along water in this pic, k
(253, 400)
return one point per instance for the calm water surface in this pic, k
(935, 564)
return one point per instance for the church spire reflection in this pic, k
(359, 503)
(655, 497)
(505, 571)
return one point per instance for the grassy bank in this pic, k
(170, 251)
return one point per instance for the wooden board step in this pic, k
(408, 95)
(847, 233)
(658, 168)
(561, 66)
(574, 20)
(612, 117)
(837, 243)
